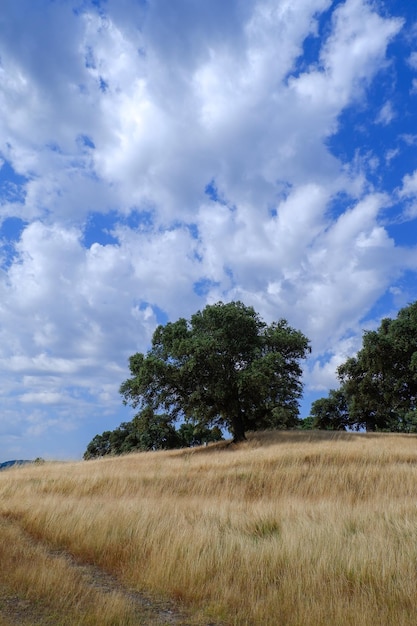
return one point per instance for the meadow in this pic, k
(287, 529)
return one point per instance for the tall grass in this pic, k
(290, 528)
(39, 587)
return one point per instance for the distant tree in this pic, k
(98, 446)
(331, 413)
(155, 432)
(191, 434)
(117, 441)
(149, 431)
(379, 385)
(225, 367)
(307, 423)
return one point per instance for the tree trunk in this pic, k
(238, 427)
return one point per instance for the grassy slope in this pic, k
(290, 528)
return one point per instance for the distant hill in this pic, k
(7, 464)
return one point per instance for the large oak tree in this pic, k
(379, 385)
(224, 367)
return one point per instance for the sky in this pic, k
(159, 156)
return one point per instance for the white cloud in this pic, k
(352, 55)
(409, 188)
(391, 154)
(42, 397)
(322, 375)
(412, 60)
(408, 192)
(386, 114)
(409, 139)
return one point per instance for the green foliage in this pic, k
(149, 431)
(379, 385)
(224, 367)
(115, 441)
(152, 432)
(191, 434)
(308, 423)
(331, 413)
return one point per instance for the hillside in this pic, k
(289, 528)
(7, 464)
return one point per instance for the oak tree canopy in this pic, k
(224, 367)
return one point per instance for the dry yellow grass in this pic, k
(38, 586)
(290, 528)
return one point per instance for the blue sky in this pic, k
(156, 156)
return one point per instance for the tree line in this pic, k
(225, 369)
(150, 431)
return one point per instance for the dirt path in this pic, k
(17, 609)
